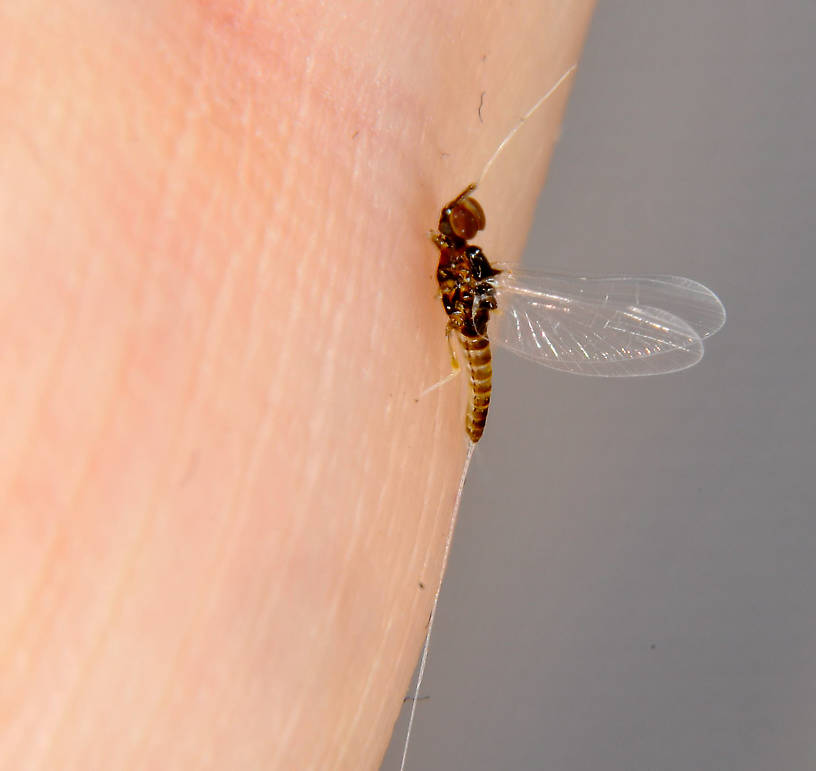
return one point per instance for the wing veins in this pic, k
(592, 332)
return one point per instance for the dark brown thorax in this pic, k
(463, 272)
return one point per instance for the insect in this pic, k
(612, 326)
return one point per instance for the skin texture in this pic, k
(219, 493)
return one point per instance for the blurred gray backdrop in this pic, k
(632, 585)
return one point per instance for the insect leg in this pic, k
(455, 366)
(522, 120)
(464, 194)
(449, 334)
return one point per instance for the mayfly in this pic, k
(612, 326)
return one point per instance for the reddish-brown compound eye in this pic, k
(466, 218)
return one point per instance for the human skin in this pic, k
(223, 506)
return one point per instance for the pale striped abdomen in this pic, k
(480, 371)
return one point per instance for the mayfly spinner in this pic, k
(613, 326)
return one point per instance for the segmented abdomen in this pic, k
(480, 370)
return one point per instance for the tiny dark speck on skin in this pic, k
(188, 472)
(652, 647)
(421, 585)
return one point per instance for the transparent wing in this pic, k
(617, 326)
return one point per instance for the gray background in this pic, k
(632, 580)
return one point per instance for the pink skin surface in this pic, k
(218, 490)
